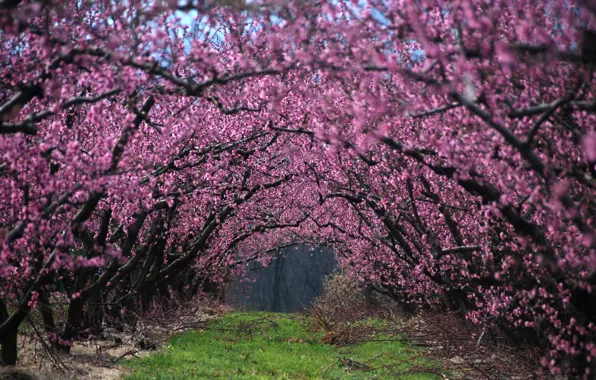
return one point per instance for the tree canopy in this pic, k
(445, 150)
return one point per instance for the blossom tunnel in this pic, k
(445, 151)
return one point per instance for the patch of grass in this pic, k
(278, 346)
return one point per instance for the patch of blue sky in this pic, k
(199, 26)
(418, 55)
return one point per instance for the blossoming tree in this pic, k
(446, 150)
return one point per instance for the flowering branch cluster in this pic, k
(445, 150)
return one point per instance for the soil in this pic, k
(471, 353)
(99, 357)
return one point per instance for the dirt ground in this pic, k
(99, 357)
(466, 352)
(471, 353)
(93, 359)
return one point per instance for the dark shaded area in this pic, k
(15, 374)
(290, 283)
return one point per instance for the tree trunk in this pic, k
(278, 268)
(95, 315)
(71, 327)
(46, 313)
(8, 343)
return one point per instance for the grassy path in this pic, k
(280, 346)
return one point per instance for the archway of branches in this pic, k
(445, 152)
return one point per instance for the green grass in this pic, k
(278, 346)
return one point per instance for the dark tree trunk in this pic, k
(75, 312)
(277, 276)
(71, 327)
(46, 312)
(8, 343)
(95, 314)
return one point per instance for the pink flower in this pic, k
(589, 146)
(504, 53)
